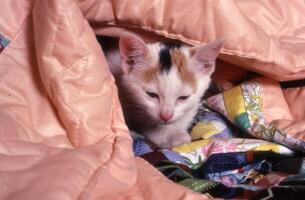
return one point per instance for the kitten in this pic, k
(160, 86)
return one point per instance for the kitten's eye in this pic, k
(183, 97)
(152, 94)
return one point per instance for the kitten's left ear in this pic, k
(133, 51)
(206, 55)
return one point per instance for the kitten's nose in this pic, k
(166, 115)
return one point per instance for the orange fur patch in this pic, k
(179, 60)
(151, 73)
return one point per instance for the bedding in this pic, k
(224, 161)
(62, 132)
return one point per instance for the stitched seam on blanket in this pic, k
(65, 12)
(52, 80)
(115, 104)
(86, 185)
(74, 114)
(53, 87)
(104, 167)
(192, 41)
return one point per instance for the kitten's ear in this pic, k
(206, 55)
(133, 51)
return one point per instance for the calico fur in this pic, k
(160, 86)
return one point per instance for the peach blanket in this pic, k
(62, 133)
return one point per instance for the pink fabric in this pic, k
(62, 133)
(264, 36)
(274, 103)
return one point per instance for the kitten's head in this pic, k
(167, 81)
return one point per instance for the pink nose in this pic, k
(166, 116)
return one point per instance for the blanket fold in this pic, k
(62, 131)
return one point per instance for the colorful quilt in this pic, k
(234, 153)
(243, 106)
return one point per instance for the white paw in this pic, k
(179, 139)
(168, 138)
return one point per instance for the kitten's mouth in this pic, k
(167, 122)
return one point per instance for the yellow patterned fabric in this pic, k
(203, 130)
(185, 148)
(234, 102)
(243, 106)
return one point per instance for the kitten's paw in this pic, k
(179, 139)
(168, 138)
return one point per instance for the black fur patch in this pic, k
(165, 58)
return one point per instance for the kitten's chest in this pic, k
(186, 120)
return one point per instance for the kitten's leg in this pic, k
(167, 136)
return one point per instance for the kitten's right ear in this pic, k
(133, 51)
(206, 55)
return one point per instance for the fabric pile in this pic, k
(62, 131)
(224, 160)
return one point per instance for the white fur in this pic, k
(143, 110)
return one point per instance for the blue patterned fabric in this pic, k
(3, 42)
(217, 163)
(173, 156)
(140, 147)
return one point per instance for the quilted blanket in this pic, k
(62, 131)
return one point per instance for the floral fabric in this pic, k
(242, 105)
